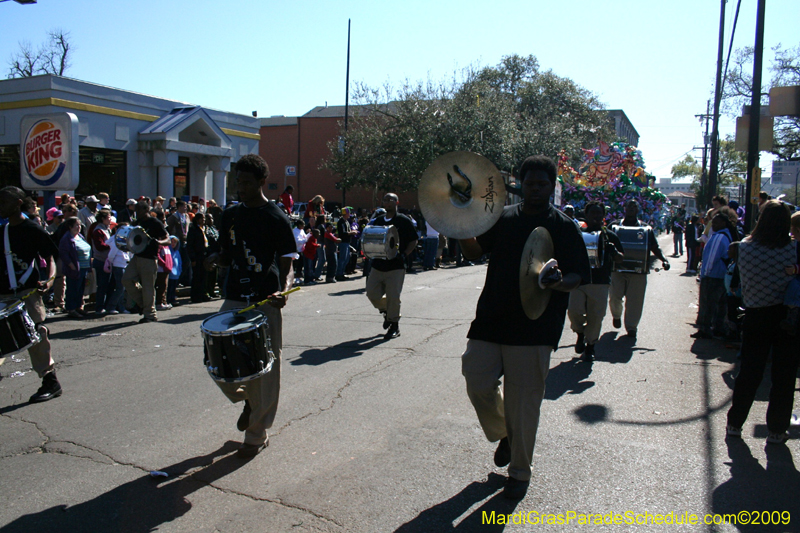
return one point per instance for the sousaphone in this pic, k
(461, 194)
(537, 270)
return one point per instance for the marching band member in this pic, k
(587, 303)
(257, 242)
(503, 341)
(386, 276)
(632, 285)
(24, 243)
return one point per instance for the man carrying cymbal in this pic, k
(503, 341)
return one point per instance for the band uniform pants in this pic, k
(262, 393)
(383, 290)
(513, 411)
(139, 281)
(632, 287)
(587, 307)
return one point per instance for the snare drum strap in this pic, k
(12, 277)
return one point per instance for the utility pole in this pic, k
(704, 176)
(755, 118)
(346, 103)
(712, 175)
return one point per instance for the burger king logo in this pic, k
(44, 154)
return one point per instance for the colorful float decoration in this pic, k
(612, 174)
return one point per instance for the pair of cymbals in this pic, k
(537, 269)
(461, 195)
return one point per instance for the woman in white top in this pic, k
(118, 260)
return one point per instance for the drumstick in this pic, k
(259, 304)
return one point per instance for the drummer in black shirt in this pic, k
(503, 341)
(29, 243)
(386, 276)
(257, 242)
(588, 303)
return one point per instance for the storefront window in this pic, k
(181, 179)
(9, 166)
(103, 170)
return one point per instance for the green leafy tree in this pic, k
(785, 69)
(732, 168)
(506, 113)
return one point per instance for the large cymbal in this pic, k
(537, 252)
(461, 194)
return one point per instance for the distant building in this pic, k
(686, 199)
(667, 186)
(623, 126)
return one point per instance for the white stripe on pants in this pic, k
(514, 410)
(262, 393)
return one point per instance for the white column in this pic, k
(220, 178)
(166, 181)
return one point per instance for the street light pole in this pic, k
(712, 175)
(755, 117)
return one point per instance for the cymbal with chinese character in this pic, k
(536, 261)
(461, 194)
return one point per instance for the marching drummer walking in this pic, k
(386, 276)
(257, 242)
(632, 284)
(25, 243)
(587, 303)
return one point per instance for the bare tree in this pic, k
(52, 57)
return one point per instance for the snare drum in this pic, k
(138, 240)
(380, 242)
(594, 248)
(121, 238)
(237, 346)
(17, 330)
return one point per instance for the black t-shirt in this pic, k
(500, 317)
(407, 234)
(157, 231)
(29, 242)
(343, 228)
(253, 237)
(602, 275)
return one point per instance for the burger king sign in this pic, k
(49, 152)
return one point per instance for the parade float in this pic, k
(612, 174)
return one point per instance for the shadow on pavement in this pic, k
(345, 350)
(345, 293)
(753, 488)
(441, 517)
(591, 413)
(138, 506)
(568, 377)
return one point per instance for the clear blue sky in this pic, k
(654, 60)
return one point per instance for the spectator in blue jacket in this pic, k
(712, 307)
(175, 273)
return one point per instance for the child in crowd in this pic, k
(310, 255)
(792, 299)
(331, 241)
(175, 273)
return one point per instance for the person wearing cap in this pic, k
(104, 203)
(139, 278)
(54, 218)
(88, 215)
(129, 213)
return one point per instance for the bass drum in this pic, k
(380, 242)
(594, 247)
(237, 346)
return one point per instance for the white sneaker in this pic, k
(113, 312)
(161, 307)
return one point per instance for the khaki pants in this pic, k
(587, 307)
(632, 287)
(513, 411)
(41, 361)
(383, 290)
(139, 281)
(262, 393)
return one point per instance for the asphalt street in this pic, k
(379, 436)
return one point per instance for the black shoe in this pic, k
(244, 419)
(386, 322)
(247, 451)
(502, 455)
(330, 280)
(700, 334)
(146, 319)
(392, 332)
(617, 322)
(588, 354)
(579, 344)
(341, 278)
(631, 333)
(515, 489)
(50, 389)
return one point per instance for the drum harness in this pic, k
(12, 276)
